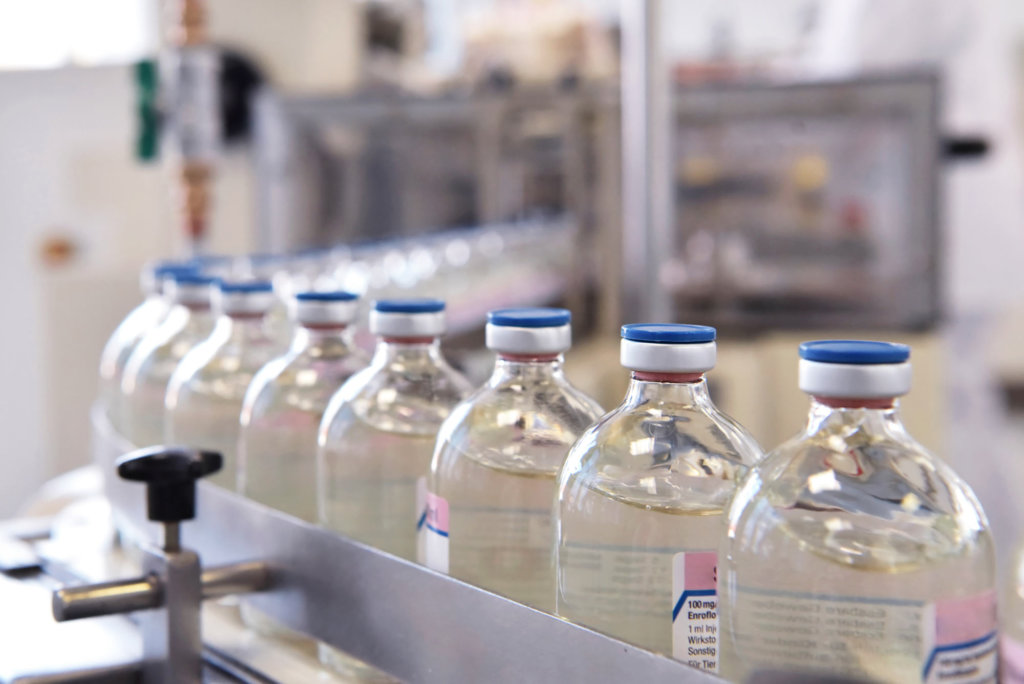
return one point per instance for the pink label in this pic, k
(1012, 666)
(965, 619)
(437, 514)
(964, 647)
(701, 571)
(433, 549)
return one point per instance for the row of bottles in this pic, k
(848, 551)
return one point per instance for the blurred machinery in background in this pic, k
(806, 205)
(793, 205)
(350, 169)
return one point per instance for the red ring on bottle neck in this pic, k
(408, 340)
(528, 358)
(856, 403)
(325, 327)
(244, 315)
(648, 376)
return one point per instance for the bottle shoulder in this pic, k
(215, 358)
(301, 380)
(638, 431)
(869, 498)
(218, 369)
(520, 427)
(158, 354)
(553, 390)
(682, 457)
(142, 319)
(397, 397)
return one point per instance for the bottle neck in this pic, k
(195, 317)
(873, 414)
(407, 350)
(526, 367)
(313, 336)
(685, 389)
(201, 308)
(241, 327)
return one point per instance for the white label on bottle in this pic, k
(867, 637)
(435, 552)
(695, 609)
(963, 643)
(1011, 663)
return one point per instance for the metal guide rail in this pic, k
(410, 622)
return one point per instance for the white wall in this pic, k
(67, 169)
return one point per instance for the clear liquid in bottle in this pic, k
(642, 497)
(852, 552)
(281, 416)
(142, 320)
(151, 364)
(378, 436)
(205, 394)
(286, 401)
(491, 489)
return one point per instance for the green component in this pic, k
(147, 141)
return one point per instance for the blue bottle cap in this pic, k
(245, 286)
(668, 333)
(335, 307)
(167, 268)
(409, 306)
(332, 296)
(854, 352)
(532, 317)
(191, 278)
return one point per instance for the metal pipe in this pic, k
(172, 537)
(188, 22)
(237, 578)
(108, 598)
(646, 161)
(197, 103)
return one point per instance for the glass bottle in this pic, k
(851, 552)
(286, 401)
(377, 437)
(204, 396)
(642, 497)
(492, 478)
(151, 364)
(140, 321)
(281, 415)
(378, 434)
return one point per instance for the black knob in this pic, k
(170, 474)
